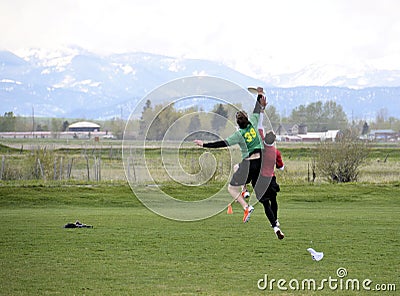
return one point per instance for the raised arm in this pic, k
(261, 101)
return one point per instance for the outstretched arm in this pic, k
(217, 144)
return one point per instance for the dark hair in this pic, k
(269, 138)
(241, 119)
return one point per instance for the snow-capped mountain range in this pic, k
(75, 83)
(352, 76)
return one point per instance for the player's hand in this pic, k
(263, 101)
(198, 143)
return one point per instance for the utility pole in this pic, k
(33, 121)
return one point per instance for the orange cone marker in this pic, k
(229, 211)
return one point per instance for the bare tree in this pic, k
(340, 160)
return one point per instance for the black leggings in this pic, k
(271, 210)
(267, 188)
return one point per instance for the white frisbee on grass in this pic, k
(316, 256)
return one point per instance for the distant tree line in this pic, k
(9, 122)
(186, 124)
(318, 117)
(156, 120)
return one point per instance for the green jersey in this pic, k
(248, 138)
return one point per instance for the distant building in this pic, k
(329, 135)
(302, 129)
(289, 129)
(84, 126)
(384, 135)
(299, 133)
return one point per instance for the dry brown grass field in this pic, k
(88, 160)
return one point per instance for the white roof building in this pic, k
(84, 126)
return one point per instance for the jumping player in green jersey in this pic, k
(250, 143)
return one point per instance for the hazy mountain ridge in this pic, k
(77, 83)
(357, 103)
(351, 76)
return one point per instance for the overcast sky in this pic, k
(280, 36)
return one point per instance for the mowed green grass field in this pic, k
(132, 251)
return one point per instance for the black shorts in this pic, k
(247, 172)
(266, 188)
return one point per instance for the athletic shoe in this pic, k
(279, 233)
(277, 224)
(245, 194)
(247, 213)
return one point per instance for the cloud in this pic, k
(252, 35)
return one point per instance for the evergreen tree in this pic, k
(159, 124)
(219, 121)
(65, 125)
(365, 129)
(145, 118)
(194, 124)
